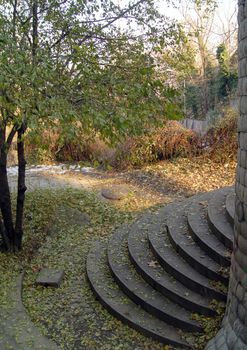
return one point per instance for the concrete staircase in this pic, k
(155, 273)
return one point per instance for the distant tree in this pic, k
(227, 79)
(211, 81)
(198, 18)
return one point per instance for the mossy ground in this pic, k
(70, 315)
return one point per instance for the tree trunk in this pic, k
(233, 334)
(5, 202)
(5, 245)
(12, 236)
(21, 189)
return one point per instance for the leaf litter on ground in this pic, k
(70, 315)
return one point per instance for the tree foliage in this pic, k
(220, 81)
(227, 78)
(77, 65)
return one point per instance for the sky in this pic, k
(224, 9)
(224, 20)
(225, 17)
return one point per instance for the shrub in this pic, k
(170, 141)
(222, 139)
(173, 140)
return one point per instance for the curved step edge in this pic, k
(185, 246)
(183, 272)
(202, 235)
(139, 291)
(217, 220)
(141, 255)
(117, 305)
(230, 207)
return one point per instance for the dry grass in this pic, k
(223, 138)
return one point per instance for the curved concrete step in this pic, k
(141, 292)
(173, 263)
(185, 246)
(110, 295)
(230, 207)
(203, 236)
(147, 266)
(217, 219)
(181, 270)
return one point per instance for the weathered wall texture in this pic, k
(233, 335)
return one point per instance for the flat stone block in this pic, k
(115, 192)
(50, 277)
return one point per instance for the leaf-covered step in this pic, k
(217, 218)
(141, 292)
(202, 235)
(112, 297)
(178, 267)
(148, 267)
(230, 207)
(185, 246)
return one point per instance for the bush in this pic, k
(173, 140)
(170, 141)
(222, 139)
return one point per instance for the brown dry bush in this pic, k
(222, 140)
(174, 140)
(167, 142)
(51, 146)
(94, 150)
(42, 148)
(170, 141)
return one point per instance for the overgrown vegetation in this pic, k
(212, 80)
(167, 142)
(96, 81)
(223, 137)
(78, 71)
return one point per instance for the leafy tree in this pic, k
(76, 65)
(198, 18)
(210, 83)
(227, 79)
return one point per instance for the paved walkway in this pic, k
(17, 332)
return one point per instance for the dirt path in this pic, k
(146, 188)
(159, 183)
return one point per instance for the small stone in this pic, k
(50, 277)
(115, 192)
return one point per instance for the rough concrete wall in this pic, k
(233, 335)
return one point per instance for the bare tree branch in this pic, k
(90, 35)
